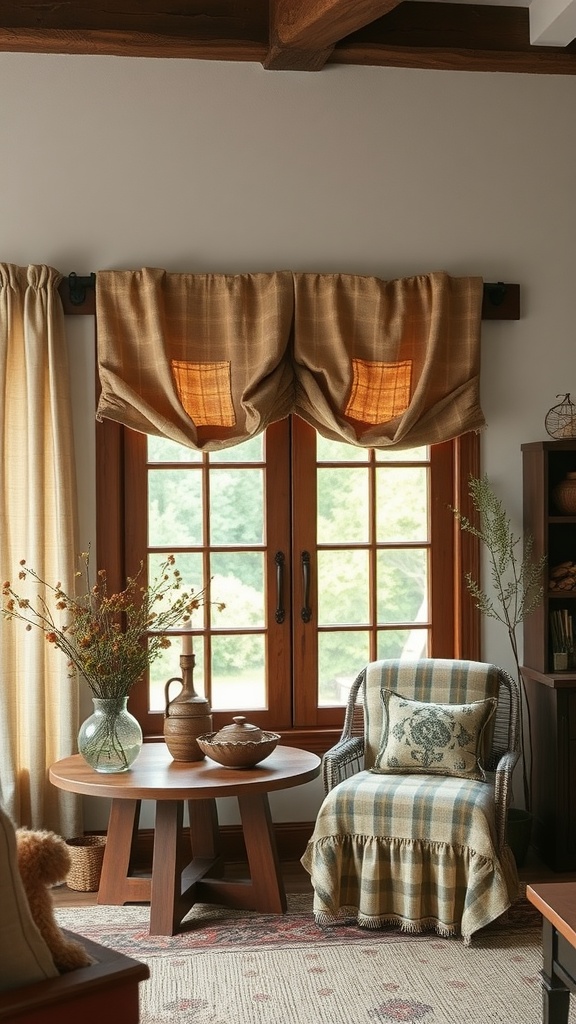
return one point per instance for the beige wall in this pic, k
(194, 166)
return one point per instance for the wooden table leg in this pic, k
(167, 865)
(205, 839)
(204, 831)
(266, 877)
(555, 994)
(116, 884)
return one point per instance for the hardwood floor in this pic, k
(297, 880)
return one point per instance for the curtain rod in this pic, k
(500, 301)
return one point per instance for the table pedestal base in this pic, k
(176, 883)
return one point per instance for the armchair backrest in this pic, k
(442, 681)
(24, 955)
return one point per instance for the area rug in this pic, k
(237, 967)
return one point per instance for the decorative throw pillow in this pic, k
(433, 739)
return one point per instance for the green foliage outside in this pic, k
(236, 504)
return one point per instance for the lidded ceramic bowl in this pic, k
(239, 745)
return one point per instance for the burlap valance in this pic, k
(210, 360)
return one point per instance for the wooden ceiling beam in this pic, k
(454, 37)
(113, 43)
(202, 29)
(439, 59)
(304, 32)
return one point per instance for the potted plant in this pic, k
(516, 589)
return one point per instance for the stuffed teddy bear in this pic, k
(44, 861)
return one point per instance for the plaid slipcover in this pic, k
(419, 851)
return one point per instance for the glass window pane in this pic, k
(238, 581)
(248, 451)
(402, 504)
(190, 566)
(402, 585)
(340, 658)
(403, 643)
(174, 507)
(405, 455)
(342, 506)
(339, 451)
(236, 506)
(160, 449)
(343, 585)
(238, 672)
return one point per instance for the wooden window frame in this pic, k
(457, 460)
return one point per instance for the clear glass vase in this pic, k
(111, 739)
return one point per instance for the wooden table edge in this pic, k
(117, 786)
(538, 899)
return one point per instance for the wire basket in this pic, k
(560, 420)
(86, 855)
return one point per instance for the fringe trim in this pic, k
(350, 915)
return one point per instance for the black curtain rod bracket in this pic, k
(78, 286)
(495, 293)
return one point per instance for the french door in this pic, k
(324, 555)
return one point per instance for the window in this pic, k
(325, 555)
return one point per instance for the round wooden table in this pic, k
(174, 886)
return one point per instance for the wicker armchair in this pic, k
(380, 836)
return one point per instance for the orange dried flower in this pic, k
(109, 638)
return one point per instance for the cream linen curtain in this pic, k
(38, 522)
(210, 360)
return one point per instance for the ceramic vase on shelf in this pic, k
(564, 495)
(187, 715)
(111, 739)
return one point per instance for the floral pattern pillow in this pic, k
(435, 739)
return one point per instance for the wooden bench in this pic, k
(106, 989)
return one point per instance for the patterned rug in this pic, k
(237, 967)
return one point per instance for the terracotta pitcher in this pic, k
(186, 716)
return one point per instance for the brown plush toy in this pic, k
(44, 860)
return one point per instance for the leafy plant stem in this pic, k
(516, 591)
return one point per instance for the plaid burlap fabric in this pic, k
(198, 358)
(418, 851)
(389, 364)
(210, 360)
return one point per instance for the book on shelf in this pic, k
(561, 626)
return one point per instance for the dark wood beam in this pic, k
(226, 30)
(439, 59)
(294, 35)
(303, 32)
(114, 43)
(500, 301)
(454, 37)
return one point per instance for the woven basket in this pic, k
(86, 854)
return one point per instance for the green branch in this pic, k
(517, 589)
